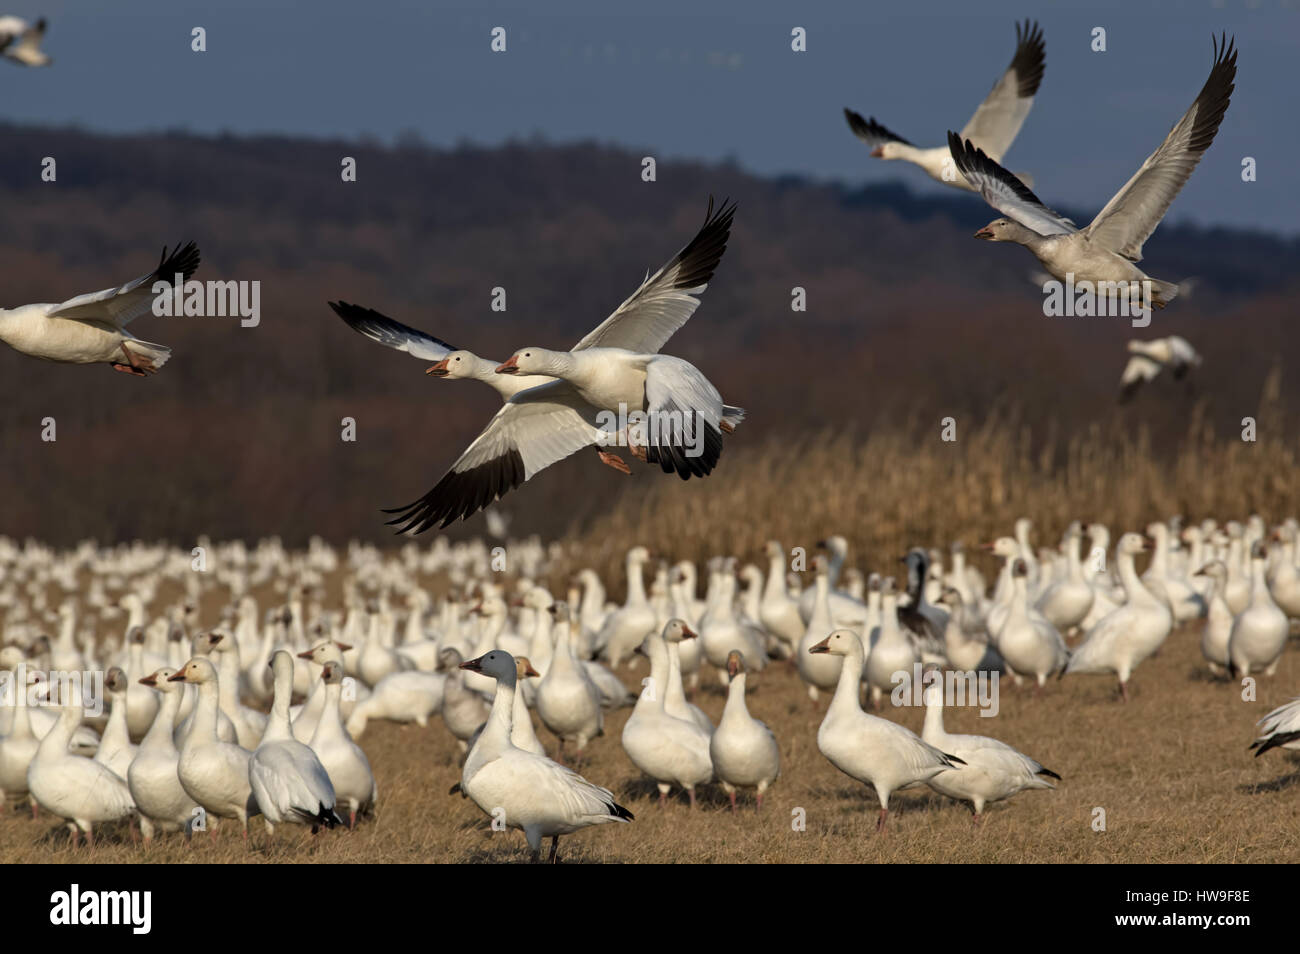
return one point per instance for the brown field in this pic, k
(1171, 769)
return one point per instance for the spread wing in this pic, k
(998, 119)
(684, 412)
(533, 430)
(121, 305)
(1139, 370)
(870, 131)
(667, 299)
(1132, 215)
(392, 334)
(1004, 191)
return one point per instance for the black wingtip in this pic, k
(184, 260)
(1030, 58)
(1049, 773)
(618, 811)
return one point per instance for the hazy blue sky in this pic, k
(695, 79)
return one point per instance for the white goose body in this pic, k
(743, 750)
(212, 772)
(344, 761)
(1260, 632)
(152, 778)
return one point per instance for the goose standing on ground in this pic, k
(347, 766)
(91, 328)
(115, 749)
(212, 772)
(992, 771)
(164, 804)
(1259, 633)
(18, 747)
(1280, 729)
(1218, 618)
(994, 126)
(538, 796)
(818, 671)
(1066, 602)
(671, 750)
(627, 627)
(77, 789)
(463, 709)
(743, 750)
(1109, 248)
(875, 751)
(1029, 644)
(1148, 358)
(893, 651)
(285, 776)
(20, 41)
(667, 682)
(966, 652)
(568, 702)
(1122, 639)
(612, 372)
(778, 610)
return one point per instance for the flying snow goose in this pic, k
(1260, 632)
(1125, 637)
(91, 328)
(1148, 358)
(994, 126)
(163, 803)
(20, 41)
(212, 772)
(344, 761)
(1109, 248)
(285, 776)
(1279, 729)
(538, 796)
(743, 750)
(992, 771)
(615, 368)
(77, 789)
(875, 751)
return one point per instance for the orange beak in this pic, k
(530, 671)
(878, 152)
(689, 633)
(823, 647)
(984, 233)
(438, 370)
(509, 366)
(148, 681)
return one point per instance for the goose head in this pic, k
(327, 652)
(842, 642)
(773, 550)
(950, 597)
(888, 150)
(1131, 544)
(676, 630)
(498, 664)
(449, 659)
(836, 546)
(735, 663)
(523, 668)
(160, 680)
(457, 364)
(115, 680)
(198, 671)
(1214, 569)
(1019, 569)
(1004, 230)
(332, 673)
(531, 361)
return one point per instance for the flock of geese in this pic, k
(261, 713)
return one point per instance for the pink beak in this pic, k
(439, 369)
(984, 233)
(509, 366)
(878, 152)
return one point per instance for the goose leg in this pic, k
(732, 793)
(663, 795)
(352, 820)
(691, 792)
(880, 822)
(555, 845)
(129, 366)
(1123, 691)
(613, 460)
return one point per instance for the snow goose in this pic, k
(344, 761)
(1109, 248)
(893, 650)
(994, 126)
(91, 328)
(617, 370)
(115, 749)
(1027, 641)
(522, 733)
(463, 710)
(450, 363)
(1125, 637)
(286, 777)
(924, 620)
(818, 671)
(992, 771)
(163, 803)
(249, 724)
(626, 628)
(538, 796)
(212, 772)
(77, 789)
(965, 651)
(722, 632)
(676, 638)
(1067, 601)
(743, 750)
(1148, 358)
(667, 682)
(18, 747)
(141, 704)
(1218, 618)
(20, 41)
(568, 702)
(671, 750)
(844, 608)
(872, 750)
(1285, 580)
(1162, 580)
(1259, 633)
(778, 611)
(1280, 729)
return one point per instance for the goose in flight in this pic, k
(1148, 358)
(611, 374)
(450, 362)
(993, 128)
(91, 328)
(1111, 245)
(20, 41)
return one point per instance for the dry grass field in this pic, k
(1171, 769)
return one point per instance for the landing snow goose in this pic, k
(1218, 618)
(1148, 358)
(20, 41)
(671, 750)
(1028, 642)
(115, 749)
(77, 789)
(1122, 639)
(285, 776)
(615, 368)
(1280, 729)
(538, 796)
(743, 750)
(163, 803)
(874, 751)
(451, 363)
(91, 328)
(212, 772)
(346, 764)
(1260, 632)
(1109, 248)
(994, 126)
(992, 771)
